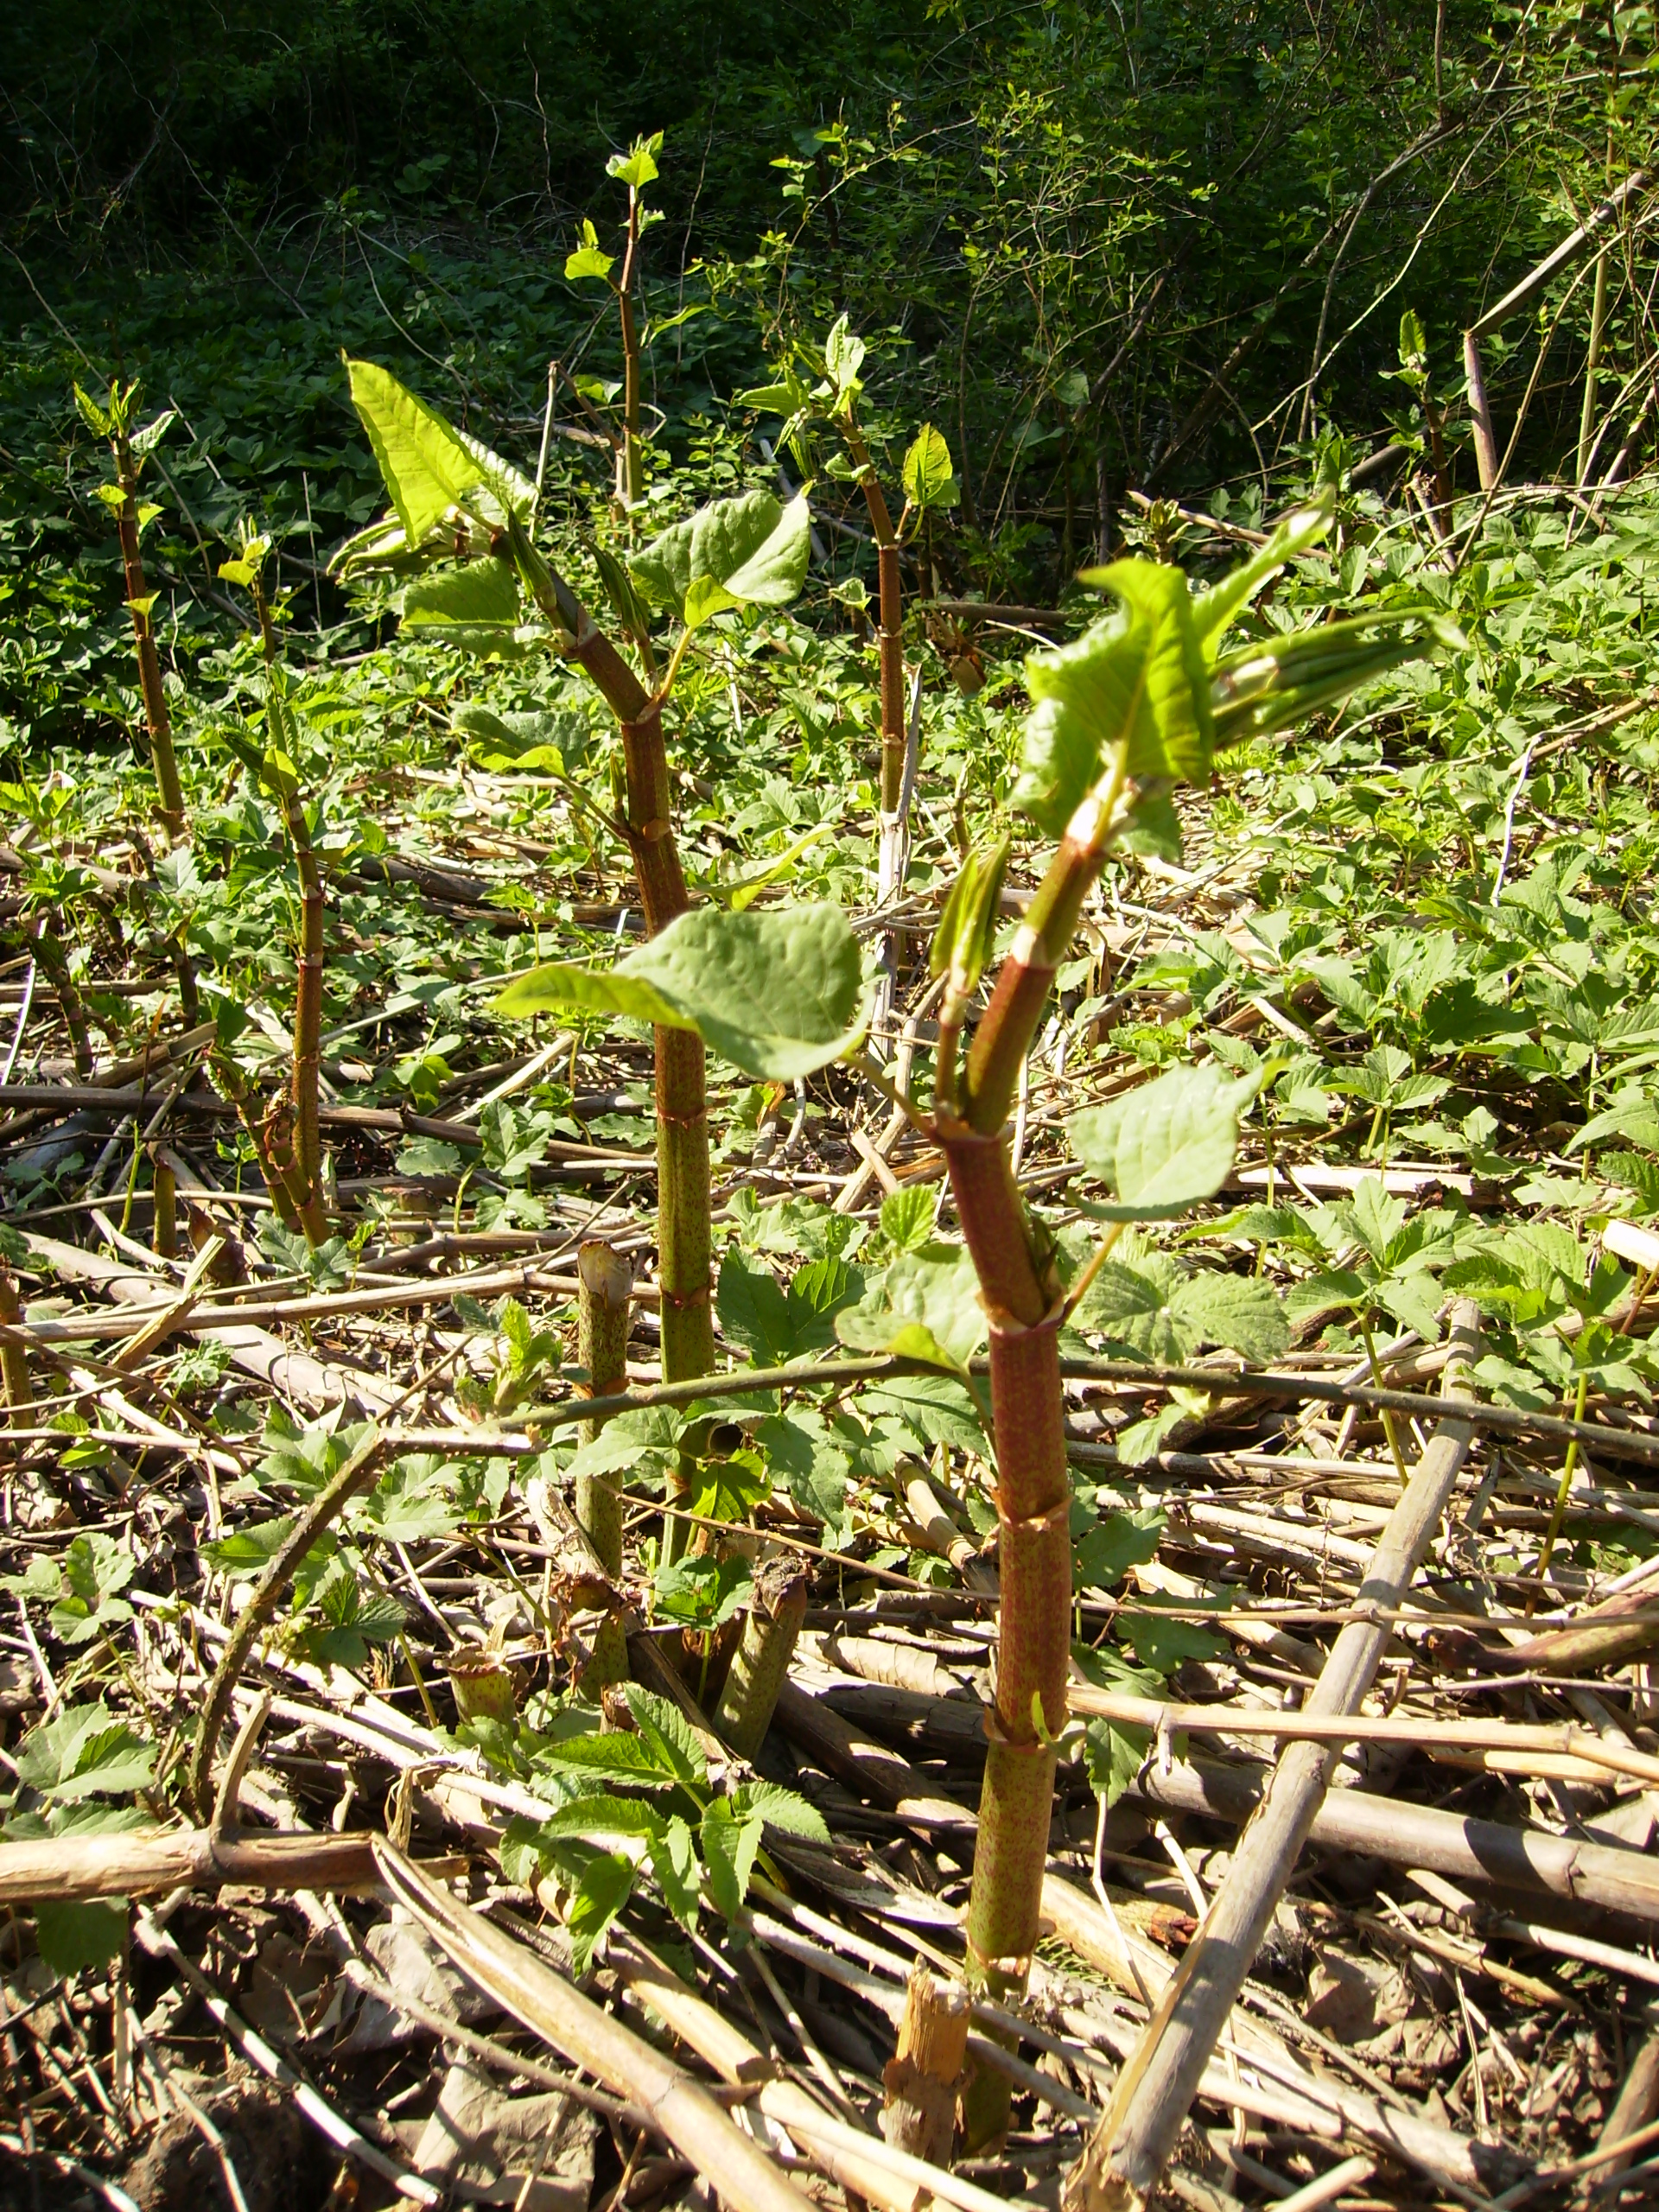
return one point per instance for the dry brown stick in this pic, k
(1132, 2143)
(1512, 1738)
(861, 2162)
(354, 1471)
(296, 1374)
(919, 2110)
(551, 2008)
(1404, 1834)
(69, 1869)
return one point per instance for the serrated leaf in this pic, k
(1242, 1312)
(927, 1306)
(780, 1808)
(605, 1886)
(674, 1861)
(1165, 1146)
(602, 1814)
(779, 993)
(729, 1845)
(84, 1750)
(665, 1730)
(1114, 1753)
(1106, 1551)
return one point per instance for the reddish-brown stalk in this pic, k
(1022, 1300)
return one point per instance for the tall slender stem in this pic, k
(1024, 1304)
(605, 1285)
(684, 1232)
(627, 458)
(156, 718)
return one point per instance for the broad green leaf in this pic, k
(427, 466)
(1136, 679)
(754, 548)
(780, 995)
(1165, 1146)
(729, 1845)
(643, 1432)
(927, 1306)
(704, 599)
(479, 594)
(86, 1933)
(753, 1311)
(589, 259)
(637, 167)
(929, 479)
(596, 990)
(606, 1887)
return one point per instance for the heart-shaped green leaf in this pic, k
(1165, 1146)
(752, 546)
(429, 466)
(930, 481)
(779, 994)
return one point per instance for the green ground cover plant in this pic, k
(801, 921)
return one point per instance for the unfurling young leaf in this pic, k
(589, 259)
(637, 167)
(927, 1307)
(966, 936)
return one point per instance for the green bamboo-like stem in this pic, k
(1023, 1303)
(684, 1228)
(156, 718)
(274, 1169)
(14, 1360)
(1004, 1035)
(49, 952)
(627, 458)
(749, 1696)
(605, 1285)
